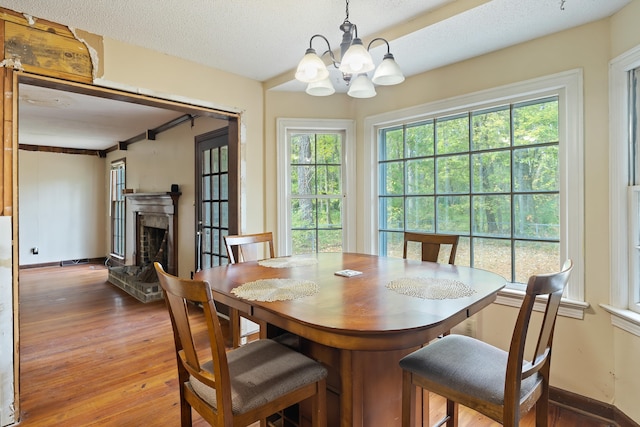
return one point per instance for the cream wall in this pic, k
(62, 207)
(591, 357)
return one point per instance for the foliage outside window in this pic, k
(117, 185)
(316, 165)
(489, 175)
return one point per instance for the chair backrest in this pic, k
(178, 292)
(552, 286)
(431, 245)
(247, 246)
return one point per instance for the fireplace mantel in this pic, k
(160, 203)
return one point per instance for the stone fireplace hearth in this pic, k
(155, 218)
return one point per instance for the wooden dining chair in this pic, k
(500, 385)
(431, 244)
(242, 386)
(241, 248)
(247, 246)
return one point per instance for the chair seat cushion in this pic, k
(466, 365)
(260, 372)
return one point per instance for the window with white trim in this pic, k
(512, 229)
(315, 213)
(117, 212)
(634, 190)
(624, 178)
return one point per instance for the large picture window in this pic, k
(502, 168)
(490, 175)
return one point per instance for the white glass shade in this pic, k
(356, 59)
(388, 72)
(311, 68)
(362, 87)
(321, 88)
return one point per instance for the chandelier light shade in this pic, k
(311, 68)
(321, 88)
(362, 87)
(355, 62)
(388, 72)
(357, 59)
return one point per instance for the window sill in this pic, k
(568, 308)
(624, 319)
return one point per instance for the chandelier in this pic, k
(355, 62)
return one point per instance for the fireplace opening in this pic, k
(153, 243)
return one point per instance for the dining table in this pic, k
(358, 314)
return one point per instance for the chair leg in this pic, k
(185, 411)
(408, 400)
(452, 413)
(319, 405)
(542, 408)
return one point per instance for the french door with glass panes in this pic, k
(216, 200)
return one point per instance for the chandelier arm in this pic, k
(376, 39)
(329, 51)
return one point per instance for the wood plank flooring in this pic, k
(91, 355)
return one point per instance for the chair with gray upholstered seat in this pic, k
(431, 245)
(500, 385)
(244, 385)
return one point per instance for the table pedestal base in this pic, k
(364, 388)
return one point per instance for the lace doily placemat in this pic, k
(276, 289)
(287, 262)
(430, 288)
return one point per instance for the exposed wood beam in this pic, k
(62, 150)
(150, 134)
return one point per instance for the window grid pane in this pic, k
(118, 185)
(215, 206)
(490, 176)
(316, 192)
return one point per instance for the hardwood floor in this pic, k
(91, 355)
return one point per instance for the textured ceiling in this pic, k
(265, 39)
(261, 39)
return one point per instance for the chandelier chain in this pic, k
(347, 11)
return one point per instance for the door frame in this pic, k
(10, 81)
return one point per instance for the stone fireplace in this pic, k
(155, 219)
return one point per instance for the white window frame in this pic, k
(619, 226)
(285, 126)
(568, 86)
(113, 186)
